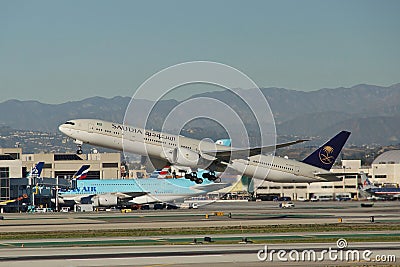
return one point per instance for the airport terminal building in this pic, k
(14, 167)
(57, 169)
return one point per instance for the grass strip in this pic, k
(215, 241)
(292, 228)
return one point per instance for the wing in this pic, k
(157, 163)
(334, 176)
(248, 152)
(328, 177)
(129, 195)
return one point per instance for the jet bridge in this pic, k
(42, 189)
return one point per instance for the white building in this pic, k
(385, 170)
(15, 165)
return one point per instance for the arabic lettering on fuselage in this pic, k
(159, 135)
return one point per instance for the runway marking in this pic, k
(7, 245)
(158, 257)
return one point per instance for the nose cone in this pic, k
(66, 129)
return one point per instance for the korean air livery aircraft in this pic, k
(112, 192)
(374, 191)
(162, 148)
(314, 168)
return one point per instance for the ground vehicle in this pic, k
(343, 198)
(367, 205)
(286, 205)
(187, 205)
(126, 210)
(282, 199)
(302, 199)
(373, 198)
(112, 209)
(43, 210)
(172, 207)
(159, 206)
(325, 198)
(83, 208)
(145, 207)
(65, 209)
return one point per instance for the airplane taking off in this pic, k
(314, 168)
(374, 191)
(162, 148)
(111, 192)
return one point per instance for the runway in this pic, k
(201, 255)
(248, 214)
(224, 249)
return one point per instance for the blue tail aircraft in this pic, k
(315, 168)
(36, 171)
(112, 192)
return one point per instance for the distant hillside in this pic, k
(371, 112)
(37, 116)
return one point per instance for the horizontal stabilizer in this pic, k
(329, 177)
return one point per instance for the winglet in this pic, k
(325, 156)
(224, 142)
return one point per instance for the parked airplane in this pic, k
(36, 171)
(81, 173)
(111, 192)
(376, 192)
(162, 148)
(314, 168)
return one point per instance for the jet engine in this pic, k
(185, 157)
(105, 200)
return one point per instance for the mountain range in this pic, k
(371, 113)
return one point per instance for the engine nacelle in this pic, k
(185, 157)
(105, 200)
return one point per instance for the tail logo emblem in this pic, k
(325, 155)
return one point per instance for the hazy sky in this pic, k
(56, 51)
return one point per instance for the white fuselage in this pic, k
(134, 140)
(161, 146)
(108, 192)
(277, 169)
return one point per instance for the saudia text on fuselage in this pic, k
(126, 128)
(139, 131)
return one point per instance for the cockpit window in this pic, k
(70, 122)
